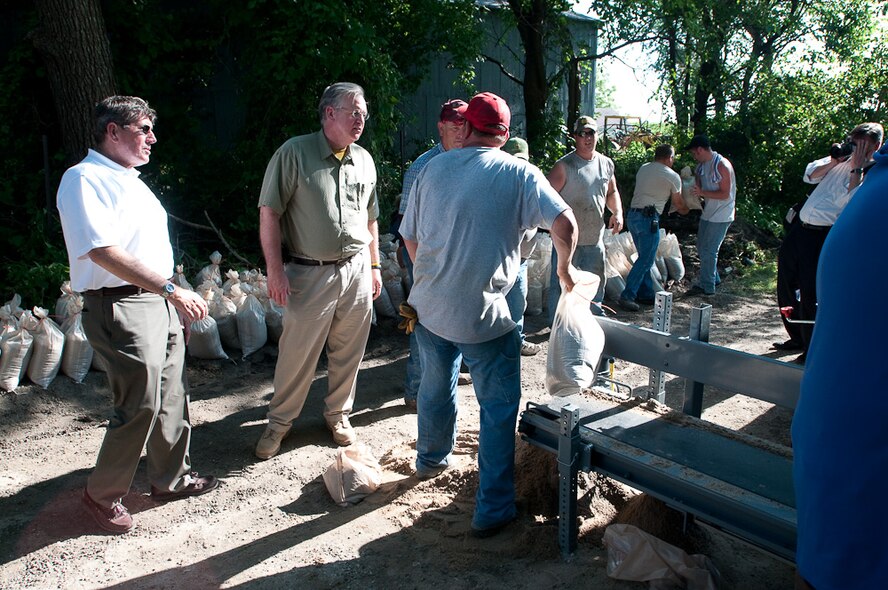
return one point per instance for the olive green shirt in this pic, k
(325, 205)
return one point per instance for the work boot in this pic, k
(270, 443)
(343, 433)
(628, 304)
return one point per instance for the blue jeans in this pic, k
(710, 236)
(588, 258)
(414, 369)
(495, 367)
(516, 298)
(645, 230)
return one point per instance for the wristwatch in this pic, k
(857, 171)
(168, 290)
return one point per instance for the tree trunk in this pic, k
(536, 88)
(72, 39)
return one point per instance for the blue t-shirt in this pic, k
(467, 212)
(839, 432)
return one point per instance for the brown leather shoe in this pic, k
(198, 485)
(116, 519)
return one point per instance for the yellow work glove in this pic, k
(408, 324)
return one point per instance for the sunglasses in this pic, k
(587, 133)
(143, 129)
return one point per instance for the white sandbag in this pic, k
(61, 306)
(12, 308)
(46, 355)
(576, 341)
(15, 352)
(687, 183)
(383, 305)
(671, 250)
(395, 291)
(614, 287)
(534, 299)
(274, 320)
(660, 265)
(77, 356)
(179, 278)
(251, 328)
(354, 474)
(204, 342)
(210, 272)
(540, 262)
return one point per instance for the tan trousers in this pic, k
(140, 340)
(329, 305)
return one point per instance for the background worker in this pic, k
(656, 183)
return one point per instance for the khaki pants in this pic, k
(140, 340)
(329, 305)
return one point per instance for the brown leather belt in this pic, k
(122, 291)
(312, 262)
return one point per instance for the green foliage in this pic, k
(758, 276)
(37, 283)
(626, 164)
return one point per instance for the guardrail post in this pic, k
(699, 330)
(662, 323)
(568, 461)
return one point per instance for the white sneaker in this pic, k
(343, 433)
(529, 348)
(270, 443)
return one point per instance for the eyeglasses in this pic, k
(143, 129)
(355, 114)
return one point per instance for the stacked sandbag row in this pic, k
(620, 255)
(33, 345)
(539, 269)
(395, 282)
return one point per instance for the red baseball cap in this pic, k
(489, 113)
(453, 110)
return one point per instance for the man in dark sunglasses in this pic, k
(121, 260)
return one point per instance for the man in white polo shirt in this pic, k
(121, 260)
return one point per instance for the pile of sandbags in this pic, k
(395, 282)
(539, 271)
(620, 255)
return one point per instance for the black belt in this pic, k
(122, 291)
(816, 227)
(649, 210)
(313, 262)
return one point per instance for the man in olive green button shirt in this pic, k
(318, 201)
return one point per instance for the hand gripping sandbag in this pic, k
(353, 475)
(576, 340)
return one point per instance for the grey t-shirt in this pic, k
(467, 213)
(654, 185)
(585, 191)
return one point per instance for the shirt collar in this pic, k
(326, 151)
(99, 158)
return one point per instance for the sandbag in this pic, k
(204, 342)
(15, 353)
(687, 183)
(179, 278)
(353, 475)
(633, 554)
(383, 305)
(78, 354)
(576, 340)
(210, 272)
(662, 271)
(223, 310)
(251, 328)
(395, 291)
(62, 303)
(671, 250)
(46, 355)
(274, 320)
(614, 287)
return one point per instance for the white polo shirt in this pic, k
(102, 204)
(831, 195)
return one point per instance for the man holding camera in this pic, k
(837, 176)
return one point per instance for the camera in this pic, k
(842, 150)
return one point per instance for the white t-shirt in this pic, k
(102, 204)
(654, 184)
(467, 211)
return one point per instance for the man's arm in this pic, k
(270, 239)
(815, 174)
(564, 239)
(411, 248)
(678, 203)
(122, 264)
(615, 204)
(557, 177)
(376, 272)
(724, 186)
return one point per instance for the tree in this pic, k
(72, 39)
